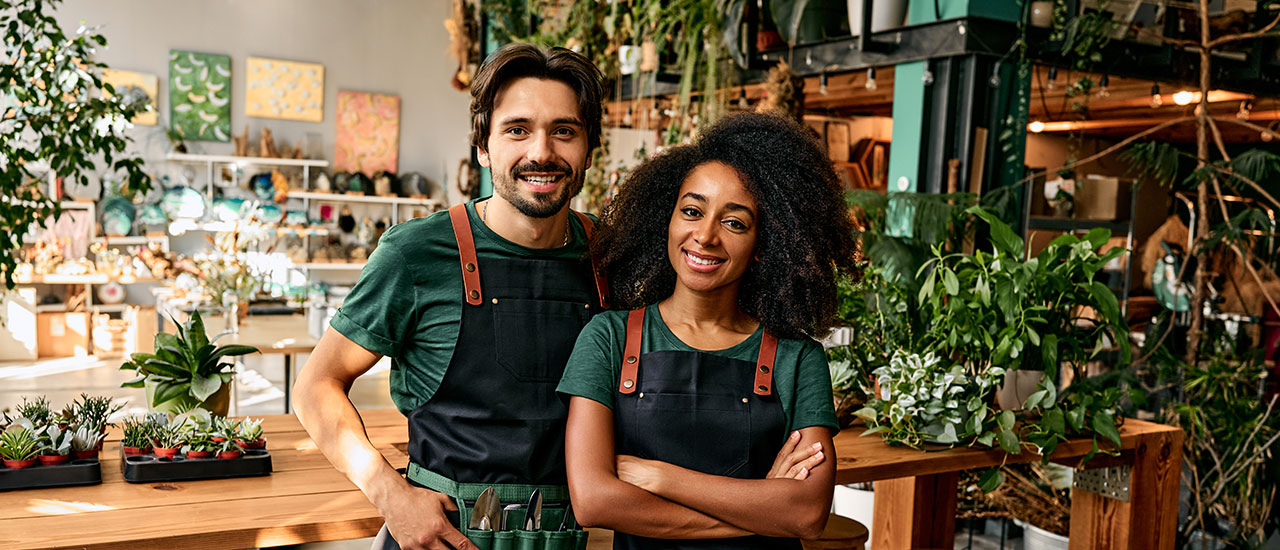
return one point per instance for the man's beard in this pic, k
(540, 205)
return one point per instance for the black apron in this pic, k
(496, 418)
(700, 411)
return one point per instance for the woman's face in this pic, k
(712, 234)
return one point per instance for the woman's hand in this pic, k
(645, 474)
(793, 461)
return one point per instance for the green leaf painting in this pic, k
(200, 95)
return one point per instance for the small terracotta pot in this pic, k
(84, 455)
(259, 443)
(54, 460)
(217, 439)
(20, 464)
(136, 451)
(227, 455)
(163, 452)
(199, 454)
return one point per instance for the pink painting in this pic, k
(368, 138)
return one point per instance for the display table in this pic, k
(286, 335)
(306, 500)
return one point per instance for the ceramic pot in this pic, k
(19, 464)
(1035, 538)
(1017, 387)
(54, 460)
(885, 15)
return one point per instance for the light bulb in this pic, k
(871, 78)
(994, 81)
(822, 84)
(1183, 97)
(1104, 86)
(742, 99)
(1036, 126)
(626, 119)
(1245, 107)
(1156, 101)
(1269, 134)
(1053, 77)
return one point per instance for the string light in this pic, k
(1053, 77)
(1183, 98)
(871, 78)
(626, 119)
(1270, 133)
(1156, 101)
(822, 84)
(1104, 86)
(742, 98)
(1036, 127)
(994, 81)
(1246, 107)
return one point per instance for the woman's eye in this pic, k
(736, 225)
(690, 211)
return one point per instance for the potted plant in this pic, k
(55, 445)
(249, 434)
(167, 439)
(229, 449)
(37, 411)
(86, 442)
(93, 411)
(136, 437)
(187, 370)
(19, 447)
(199, 445)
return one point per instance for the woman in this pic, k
(729, 248)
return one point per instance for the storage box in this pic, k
(1101, 198)
(62, 334)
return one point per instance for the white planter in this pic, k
(1017, 387)
(855, 504)
(1035, 538)
(885, 15)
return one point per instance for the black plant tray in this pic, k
(149, 468)
(76, 472)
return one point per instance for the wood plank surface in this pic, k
(915, 512)
(1149, 520)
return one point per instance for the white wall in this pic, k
(386, 46)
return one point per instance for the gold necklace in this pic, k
(484, 218)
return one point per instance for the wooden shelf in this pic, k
(1068, 224)
(340, 197)
(132, 240)
(230, 159)
(94, 279)
(319, 266)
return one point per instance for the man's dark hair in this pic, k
(520, 60)
(805, 236)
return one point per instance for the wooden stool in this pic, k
(841, 533)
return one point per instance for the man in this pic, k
(479, 310)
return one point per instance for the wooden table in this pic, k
(287, 335)
(306, 500)
(915, 503)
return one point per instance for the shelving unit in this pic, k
(210, 161)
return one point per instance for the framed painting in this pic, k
(290, 90)
(368, 134)
(200, 95)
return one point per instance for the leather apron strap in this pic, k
(602, 283)
(467, 253)
(631, 357)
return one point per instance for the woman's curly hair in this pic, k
(805, 234)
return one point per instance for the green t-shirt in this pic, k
(408, 301)
(800, 374)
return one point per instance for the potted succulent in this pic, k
(19, 447)
(55, 445)
(250, 434)
(229, 449)
(167, 439)
(93, 411)
(86, 442)
(199, 445)
(187, 370)
(136, 437)
(36, 411)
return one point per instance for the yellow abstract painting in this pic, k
(291, 90)
(140, 84)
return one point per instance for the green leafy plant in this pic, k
(250, 429)
(228, 446)
(55, 441)
(923, 400)
(200, 442)
(37, 411)
(168, 436)
(19, 443)
(137, 432)
(52, 119)
(94, 411)
(186, 367)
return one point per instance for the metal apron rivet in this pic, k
(628, 384)
(631, 359)
(641, 395)
(471, 267)
(587, 306)
(763, 388)
(474, 294)
(764, 369)
(495, 301)
(744, 400)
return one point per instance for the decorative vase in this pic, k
(1042, 14)
(1017, 387)
(885, 15)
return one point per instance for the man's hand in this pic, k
(645, 474)
(416, 519)
(793, 461)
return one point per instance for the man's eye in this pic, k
(516, 131)
(565, 131)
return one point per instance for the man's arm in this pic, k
(415, 516)
(779, 507)
(600, 499)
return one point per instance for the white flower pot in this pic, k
(1035, 538)
(855, 504)
(1017, 387)
(885, 15)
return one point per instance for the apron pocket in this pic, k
(536, 355)
(580, 539)
(528, 540)
(502, 540)
(482, 539)
(561, 540)
(700, 432)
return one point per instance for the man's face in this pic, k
(537, 148)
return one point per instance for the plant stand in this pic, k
(76, 472)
